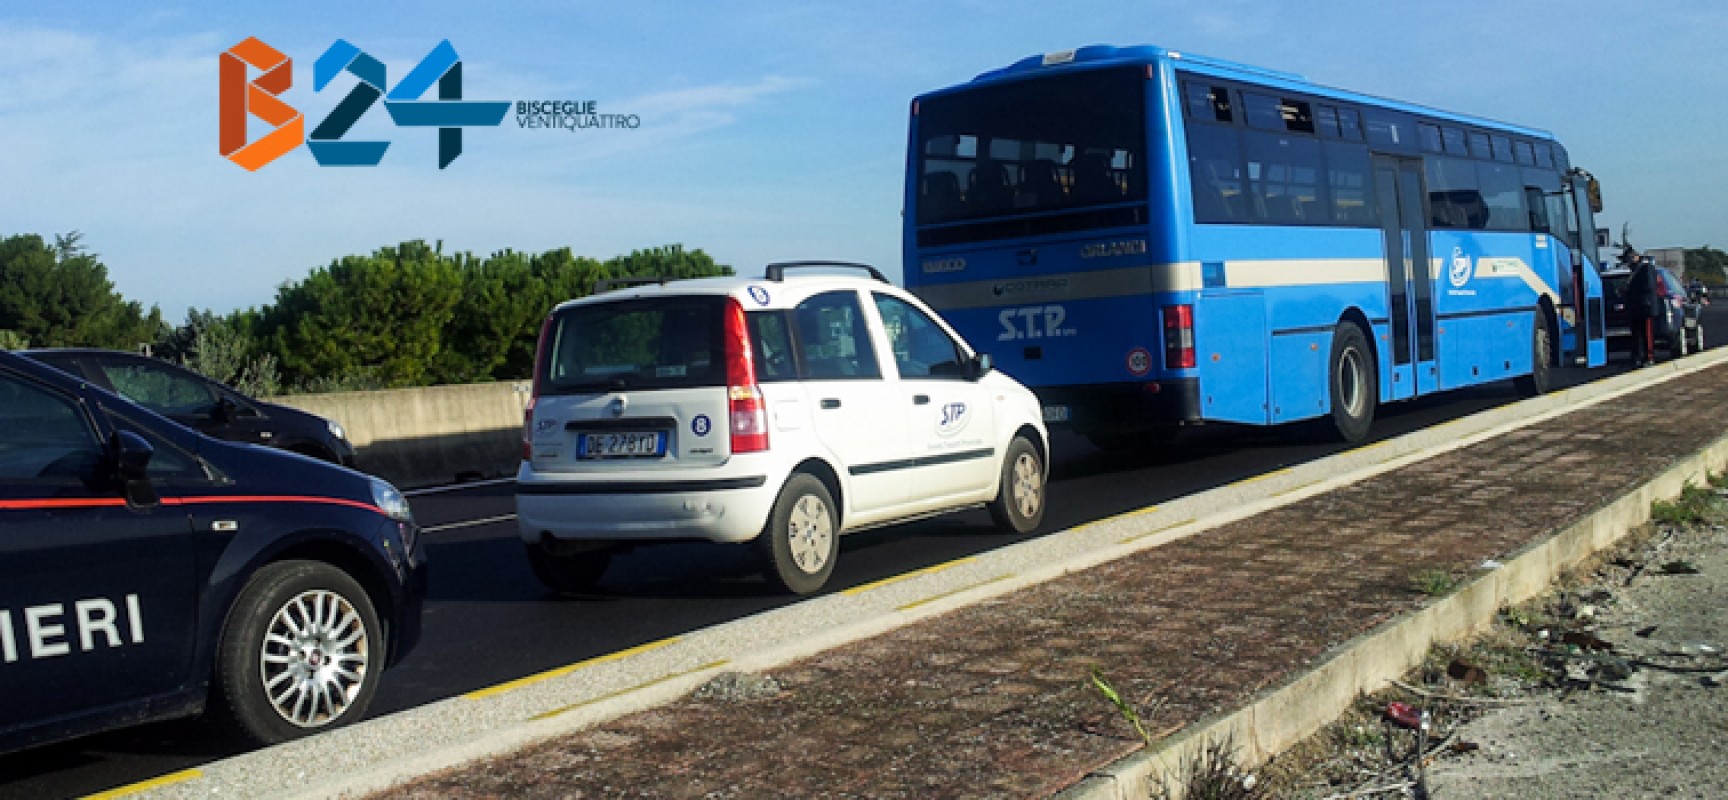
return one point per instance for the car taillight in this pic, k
(534, 396)
(1179, 337)
(749, 412)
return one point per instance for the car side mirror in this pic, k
(224, 409)
(132, 454)
(978, 366)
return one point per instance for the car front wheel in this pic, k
(1019, 503)
(302, 652)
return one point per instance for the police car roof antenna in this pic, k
(777, 271)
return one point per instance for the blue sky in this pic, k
(769, 131)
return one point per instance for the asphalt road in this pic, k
(487, 619)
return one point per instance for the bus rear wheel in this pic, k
(1352, 383)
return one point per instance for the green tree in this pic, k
(1708, 265)
(59, 295)
(671, 261)
(223, 348)
(381, 317)
(411, 315)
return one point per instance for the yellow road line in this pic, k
(1262, 476)
(566, 670)
(906, 575)
(1138, 536)
(932, 599)
(602, 698)
(144, 786)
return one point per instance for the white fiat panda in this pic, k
(784, 410)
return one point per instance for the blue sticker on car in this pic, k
(759, 294)
(701, 425)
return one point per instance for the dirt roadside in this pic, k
(1611, 686)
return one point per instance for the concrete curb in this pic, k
(1280, 717)
(385, 751)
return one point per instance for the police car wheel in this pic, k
(801, 542)
(1019, 503)
(302, 652)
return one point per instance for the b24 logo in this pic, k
(1033, 322)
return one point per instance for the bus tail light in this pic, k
(749, 411)
(540, 371)
(1179, 337)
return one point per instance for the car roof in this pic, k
(29, 366)
(759, 292)
(72, 351)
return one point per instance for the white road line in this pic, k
(456, 487)
(468, 524)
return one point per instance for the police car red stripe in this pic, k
(110, 502)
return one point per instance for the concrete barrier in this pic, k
(430, 435)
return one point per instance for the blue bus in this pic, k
(1151, 239)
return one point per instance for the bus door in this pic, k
(1586, 200)
(1409, 277)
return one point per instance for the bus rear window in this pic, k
(1046, 144)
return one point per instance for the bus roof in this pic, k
(1098, 56)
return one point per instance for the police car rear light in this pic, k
(1179, 337)
(748, 410)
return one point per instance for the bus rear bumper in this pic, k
(1121, 407)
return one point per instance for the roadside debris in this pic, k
(1505, 705)
(737, 687)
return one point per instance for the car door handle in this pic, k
(920, 399)
(830, 402)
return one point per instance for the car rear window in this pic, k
(653, 343)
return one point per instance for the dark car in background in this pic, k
(149, 572)
(207, 406)
(1679, 327)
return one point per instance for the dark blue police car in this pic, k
(148, 572)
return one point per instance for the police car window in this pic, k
(158, 389)
(833, 338)
(168, 462)
(921, 348)
(44, 436)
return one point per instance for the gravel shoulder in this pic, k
(1612, 685)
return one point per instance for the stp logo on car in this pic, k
(953, 419)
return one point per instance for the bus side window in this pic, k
(1538, 209)
(1215, 170)
(1454, 201)
(1347, 171)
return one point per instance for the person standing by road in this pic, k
(1641, 310)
